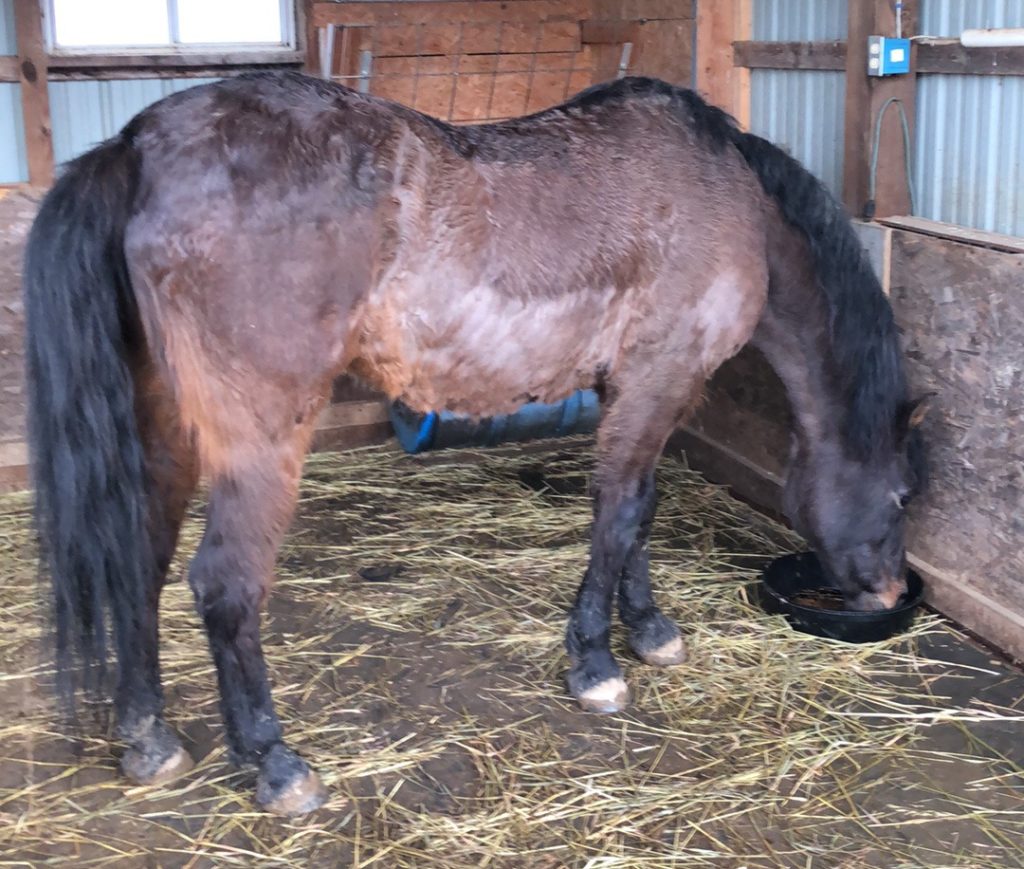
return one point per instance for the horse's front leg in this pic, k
(595, 678)
(632, 433)
(249, 510)
(652, 635)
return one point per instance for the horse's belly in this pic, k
(482, 351)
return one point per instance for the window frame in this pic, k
(287, 48)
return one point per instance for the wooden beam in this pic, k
(865, 97)
(953, 232)
(174, 60)
(641, 10)
(719, 25)
(951, 58)
(35, 100)
(132, 73)
(452, 11)
(609, 32)
(790, 55)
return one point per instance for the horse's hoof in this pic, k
(607, 696)
(287, 786)
(667, 654)
(155, 767)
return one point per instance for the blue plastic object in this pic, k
(418, 432)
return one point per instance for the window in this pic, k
(76, 25)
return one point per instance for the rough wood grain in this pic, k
(790, 55)
(719, 25)
(35, 99)
(448, 11)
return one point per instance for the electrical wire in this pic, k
(869, 208)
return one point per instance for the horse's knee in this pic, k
(226, 599)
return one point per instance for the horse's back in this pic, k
(290, 229)
(560, 245)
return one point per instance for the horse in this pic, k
(196, 283)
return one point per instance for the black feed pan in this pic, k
(788, 578)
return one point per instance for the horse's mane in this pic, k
(864, 337)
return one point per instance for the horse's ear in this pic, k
(912, 414)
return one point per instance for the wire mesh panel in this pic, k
(464, 71)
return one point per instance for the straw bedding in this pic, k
(414, 640)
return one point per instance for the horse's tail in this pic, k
(865, 339)
(87, 457)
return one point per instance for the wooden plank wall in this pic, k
(467, 61)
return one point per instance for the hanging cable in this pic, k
(869, 208)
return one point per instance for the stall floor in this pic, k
(414, 641)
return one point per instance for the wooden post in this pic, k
(865, 97)
(35, 99)
(719, 24)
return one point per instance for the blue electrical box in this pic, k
(888, 56)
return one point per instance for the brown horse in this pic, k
(195, 284)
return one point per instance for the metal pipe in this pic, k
(1009, 37)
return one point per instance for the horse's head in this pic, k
(853, 511)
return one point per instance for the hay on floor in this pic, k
(429, 694)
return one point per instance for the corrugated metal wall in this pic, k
(13, 167)
(804, 20)
(969, 160)
(801, 110)
(952, 17)
(87, 112)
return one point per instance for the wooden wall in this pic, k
(478, 60)
(961, 311)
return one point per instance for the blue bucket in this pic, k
(418, 432)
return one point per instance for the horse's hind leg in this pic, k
(155, 753)
(251, 503)
(652, 635)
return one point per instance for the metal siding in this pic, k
(952, 17)
(8, 42)
(802, 112)
(13, 164)
(85, 113)
(969, 151)
(799, 20)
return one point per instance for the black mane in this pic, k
(865, 340)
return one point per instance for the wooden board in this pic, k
(485, 37)
(723, 83)
(664, 49)
(35, 100)
(449, 11)
(790, 55)
(953, 232)
(951, 58)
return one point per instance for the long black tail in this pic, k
(87, 459)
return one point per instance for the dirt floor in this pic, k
(17, 208)
(414, 639)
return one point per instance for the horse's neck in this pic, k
(793, 335)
